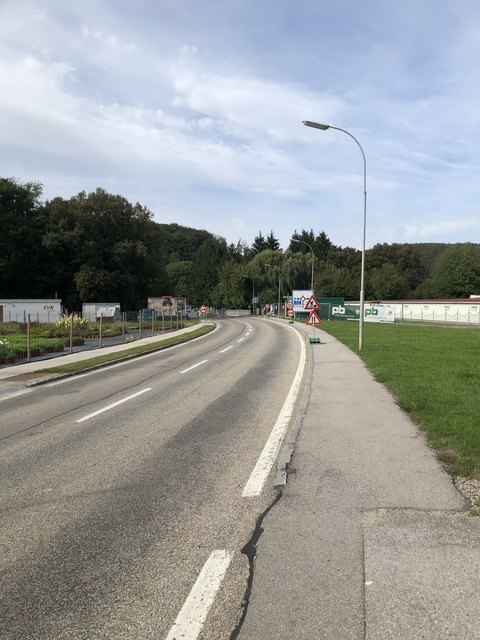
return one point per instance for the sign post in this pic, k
(290, 312)
(313, 319)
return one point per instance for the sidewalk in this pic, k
(370, 539)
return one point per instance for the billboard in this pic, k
(379, 313)
(167, 305)
(300, 297)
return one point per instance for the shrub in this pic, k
(64, 323)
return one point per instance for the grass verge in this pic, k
(434, 374)
(74, 367)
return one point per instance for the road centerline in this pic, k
(114, 404)
(194, 366)
(230, 347)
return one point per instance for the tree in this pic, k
(259, 244)
(206, 264)
(239, 252)
(322, 246)
(404, 260)
(333, 281)
(98, 251)
(179, 278)
(303, 236)
(272, 242)
(174, 243)
(456, 273)
(386, 283)
(21, 259)
(297, 270)
(230, 289)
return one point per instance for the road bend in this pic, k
(121, 490)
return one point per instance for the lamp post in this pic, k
(324, 127)
(313, 258)
(253, 292)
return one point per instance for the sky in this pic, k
(195, 110)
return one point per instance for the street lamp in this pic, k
(313, 258)
(324, 127)
(253, 292)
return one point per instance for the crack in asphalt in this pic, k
(250, 550)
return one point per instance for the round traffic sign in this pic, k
(290, 305)
(290, 313)
(203, 309)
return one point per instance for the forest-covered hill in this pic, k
(100, 247)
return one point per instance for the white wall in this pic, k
(39, 310)
(448, 311)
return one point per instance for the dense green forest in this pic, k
(100, 247)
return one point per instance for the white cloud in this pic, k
(159, 106)
(442, 228)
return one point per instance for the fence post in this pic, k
(100, 332)
(140, 334)
(71, 333)
(123, 327)
(153, 322)
(28, 338)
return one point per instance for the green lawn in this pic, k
(434, 374)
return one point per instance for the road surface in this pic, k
(127, 494)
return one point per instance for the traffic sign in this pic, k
(313, 319)
(311, 304)
(290, 313)
(289, 304)
(203, 309)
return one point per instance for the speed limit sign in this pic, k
(203, 309)
(290, 305)
(290, 313)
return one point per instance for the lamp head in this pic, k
(316, 125)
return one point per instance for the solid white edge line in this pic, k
(266, 460)
(194, 366)
(193, 614)
(230, 347)
(241, 339)
(115, 404)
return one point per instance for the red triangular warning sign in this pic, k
(313, 319)
(311, 304)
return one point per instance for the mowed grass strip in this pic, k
(434, 374)
(74, 367)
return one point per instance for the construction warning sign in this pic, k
(313, 319)
(311, 304)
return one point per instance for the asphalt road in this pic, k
(116, 487)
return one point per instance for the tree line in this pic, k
(98, 247)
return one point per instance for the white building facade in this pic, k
(40, 311)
